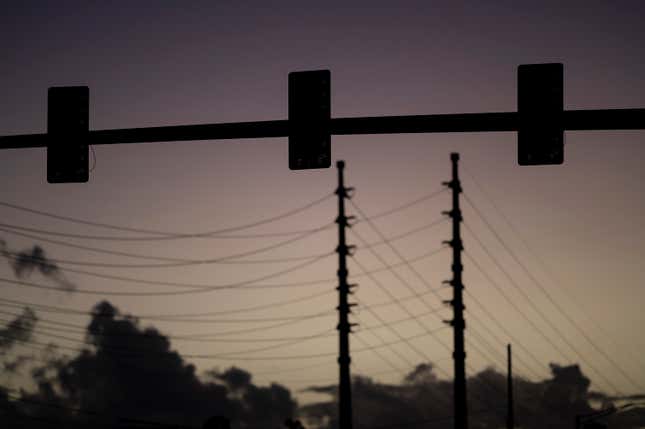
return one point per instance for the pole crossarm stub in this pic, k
(455, 214)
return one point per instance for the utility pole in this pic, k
(510, 419)
(458, 324)
(344, 307)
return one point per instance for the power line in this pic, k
(537, 310)
(394, 367)
(77, 329)
(226, 260)
(398, 254)
(550, 298)
(503, 328)
(232, 259)
(244, 284)
(512, 303)
(185, 262)
(412, 316)
(61, 310)
(226, 321)
(543, 265)
(199, 338)
(205, 287)
(276, 304)
(129, 353)
(212, 234)
(198, 286)
(171, 317)
(143, 239)
(226, 333)
(403, 206)
(378, 352)
(166, 235)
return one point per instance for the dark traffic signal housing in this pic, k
(309, 117)
(540, 134)
(67, 134)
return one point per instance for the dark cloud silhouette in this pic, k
(14, 365)
(421, 374)
(26, 262)
(18, 330)
(235, 378)
(130, 371)
(423, 400)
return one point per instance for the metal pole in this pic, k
(344, 307)
(607, 119)
(458, 323)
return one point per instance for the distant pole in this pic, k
(510, 420)
(457, 302)
(344, 307)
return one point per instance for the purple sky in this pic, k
(163, 63)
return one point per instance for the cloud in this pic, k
(18, 330)
(131, 371)
(422, 400)
(128, 370)
(235, 378)
(14, 366)
(26, 262)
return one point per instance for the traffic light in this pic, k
(67, 134)
(540, 135)
(309, 116)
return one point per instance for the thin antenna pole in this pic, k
(510, 419)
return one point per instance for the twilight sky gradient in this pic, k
(163, 63)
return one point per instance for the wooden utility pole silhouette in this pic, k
(510, 418)
(344, 307)
(458, 324)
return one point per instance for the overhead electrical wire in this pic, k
(380, 319)
(515, 306)
(220, 356)
(276, 304)
(255, 236)
(514, 339)
(234, 259)
(229, 321)
(378, 352)
(538, 311)
(401, 279)
(405, 309)
(206, 287)
(218, 335)
(553, 301)
(542, 315)
(166, 235)
(403, 206)
(397, 253)
(225, 260)
(247, 284)
(544, 267)
(183, 262)
(169, 317)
